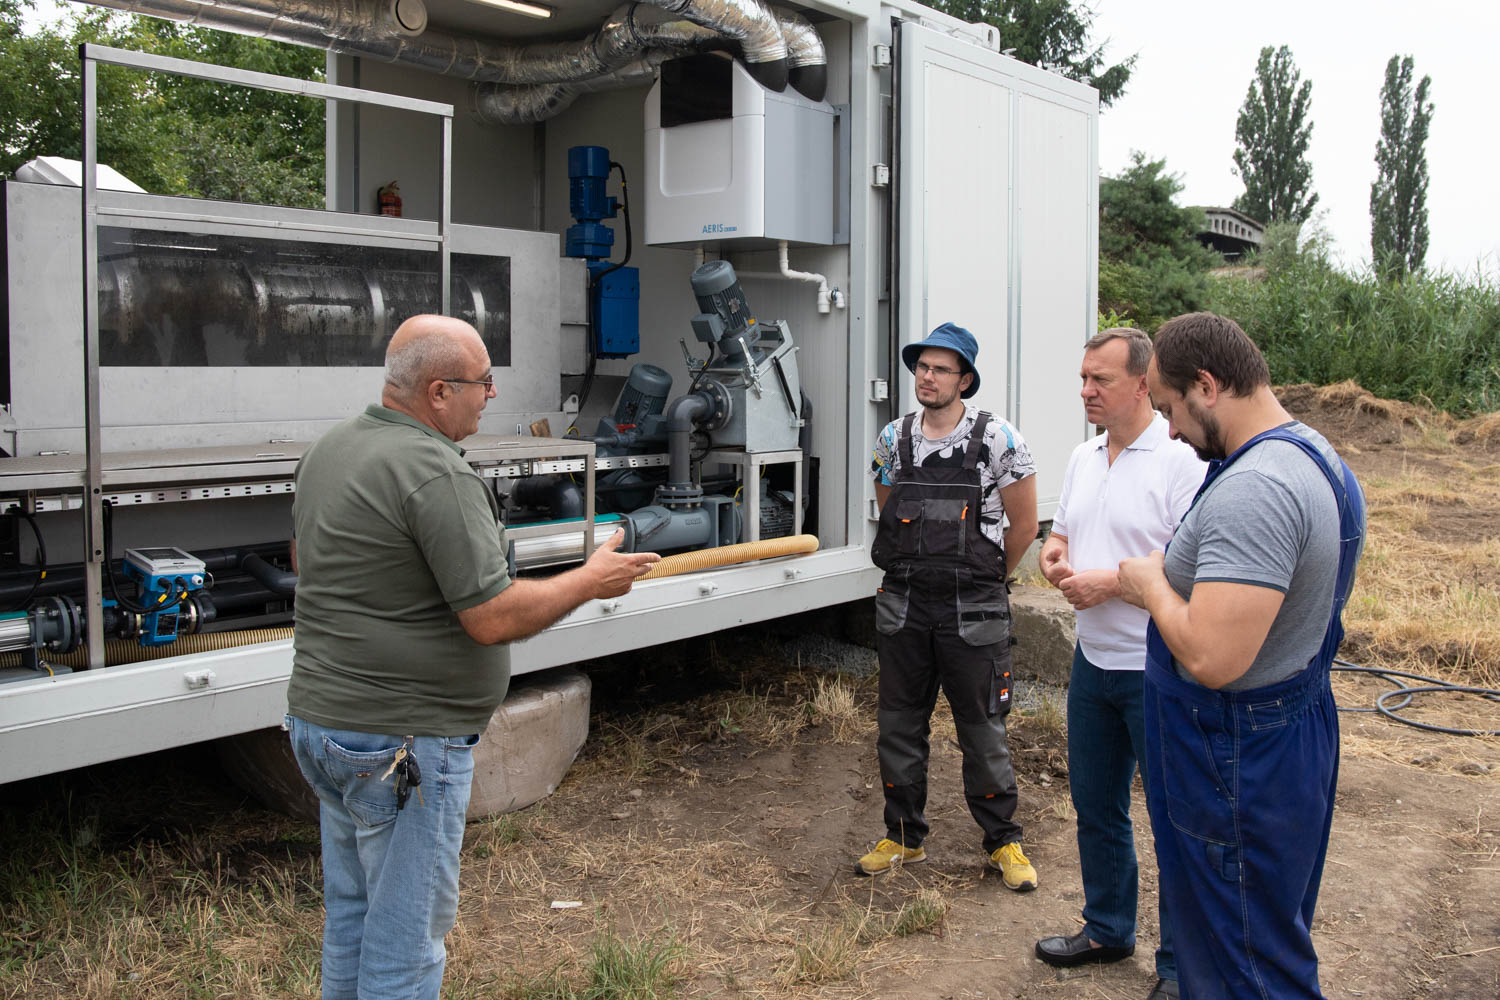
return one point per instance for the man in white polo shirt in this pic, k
(1122, 496)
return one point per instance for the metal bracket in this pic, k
(880, 390)
(881, 176)
(881, 57)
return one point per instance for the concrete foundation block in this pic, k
(531, 741)
(1045, 630)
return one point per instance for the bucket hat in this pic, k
(955, 338)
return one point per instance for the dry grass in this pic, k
(1426, 600)
(836, 702)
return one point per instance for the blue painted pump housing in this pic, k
(588, 174)
(615, 292)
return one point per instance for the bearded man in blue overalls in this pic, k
(957, 492)
(1242, 736)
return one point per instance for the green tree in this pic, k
(1051, 33)
(1151, 265)
(170, 134)
(1272, 136)
(1398, 198)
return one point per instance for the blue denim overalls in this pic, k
(1240, 788)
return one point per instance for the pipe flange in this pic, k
(723, 404)
(678, 495)
(61, 624)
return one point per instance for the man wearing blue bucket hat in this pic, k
(957, 493)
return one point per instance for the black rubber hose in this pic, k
(1432, 685)
(41, 564)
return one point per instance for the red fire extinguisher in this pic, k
(389, 198)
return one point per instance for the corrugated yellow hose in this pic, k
(118, 651)
(725, 555)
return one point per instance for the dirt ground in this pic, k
(1408, 905)
(728, 785)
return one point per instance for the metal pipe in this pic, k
(564, 547)
(682, 413)
(282, 583)
(15, 631)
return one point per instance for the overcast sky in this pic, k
(1197, 60)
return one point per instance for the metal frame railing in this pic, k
(91, 56)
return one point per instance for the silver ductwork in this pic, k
(745, 21)
(656, 41)
(623, 38)
(395, 30)
(544, 77)
(496, 104)
(807, 59)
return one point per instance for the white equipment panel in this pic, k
(998, 230)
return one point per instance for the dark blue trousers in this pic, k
(1240, 787)
(1106, 737)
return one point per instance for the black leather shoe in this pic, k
(1078, 950)
(1166, 989)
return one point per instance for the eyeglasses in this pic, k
(937, 371)
(488, 381)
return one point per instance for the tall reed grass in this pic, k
(1431, 338)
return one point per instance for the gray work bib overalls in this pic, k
(943, 619)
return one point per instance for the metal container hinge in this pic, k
(880, 390)
(881, 57)
(881, 176)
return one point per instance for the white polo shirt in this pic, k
(1113, 512)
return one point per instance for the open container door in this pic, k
(996, 181)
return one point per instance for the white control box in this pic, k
(729, 160)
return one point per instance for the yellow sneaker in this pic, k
(1013, 867)
(889, 855)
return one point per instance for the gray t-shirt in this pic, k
(1269, 520)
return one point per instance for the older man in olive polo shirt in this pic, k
(404, 610)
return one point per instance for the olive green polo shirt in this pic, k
(395, 532)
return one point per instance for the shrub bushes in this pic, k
(1429, 338)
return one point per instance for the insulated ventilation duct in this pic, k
(396, 31)
(595, 63)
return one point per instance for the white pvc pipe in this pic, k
(826, 297)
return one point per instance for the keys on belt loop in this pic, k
(408, 774)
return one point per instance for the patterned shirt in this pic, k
(1003, 459)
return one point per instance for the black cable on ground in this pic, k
(1406, 691)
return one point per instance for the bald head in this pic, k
(426, 348)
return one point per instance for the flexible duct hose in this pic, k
(724, 555)
(117, 651)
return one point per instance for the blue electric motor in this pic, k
(614, 291)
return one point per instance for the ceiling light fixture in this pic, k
(519, 7)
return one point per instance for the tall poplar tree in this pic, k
(1272, 135)
(1398, 198)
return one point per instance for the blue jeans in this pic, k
(1106, 736)
(390, 877)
